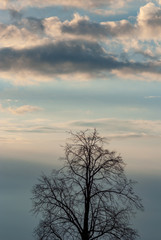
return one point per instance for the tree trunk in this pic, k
(85, 236)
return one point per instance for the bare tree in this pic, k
(90, 198)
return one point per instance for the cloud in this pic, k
(50, 58)
(19, 4)
(52, 27)
(33, 25)
(27, 34)
(147, 53)
(35, 50)
(36, 31)
(149, 21)
(152, 97)
(108, 12)
(66, 58)
(82, 26)
(147, 27)
(20, 110)
(24, 109)
(109, 127)
(122, 128)
(16, 131)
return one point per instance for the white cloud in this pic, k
(19, 37)
(152, 97)
(20, 110)
(19, 4)
(24, 109)
(133, 74)
(149, 21)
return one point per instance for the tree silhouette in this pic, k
(89, 198)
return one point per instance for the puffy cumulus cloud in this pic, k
(19, 4)
(52, 27)
(149, 22)
(29, 32)
(22, 32)
(26, 32)
(20, 110)
(122, 128)
(82, 26)
(147, 26)
(67, 58)
(20, 37)
(120, 28)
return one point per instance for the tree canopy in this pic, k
(89, 198)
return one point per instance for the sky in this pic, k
(75, 65)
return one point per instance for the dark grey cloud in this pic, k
(49, 59)
(85, 27)
(68, 57)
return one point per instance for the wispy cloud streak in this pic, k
(20, 110)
